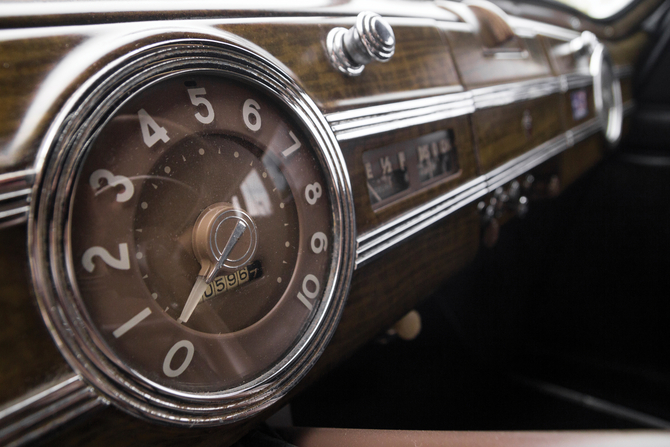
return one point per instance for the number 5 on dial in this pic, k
(196, 99)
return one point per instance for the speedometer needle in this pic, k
(201, 282)
(237, 234)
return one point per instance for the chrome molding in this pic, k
(392, 233)
(577, 80)
(523, 163)
(15, 190)
(504, 94)
(42, 412)
(377, 119)
(386, 236)
(365, 121)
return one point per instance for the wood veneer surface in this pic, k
(30, 355)
(477, 69)
(500, 131)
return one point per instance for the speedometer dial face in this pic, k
(201, 233)
(193, 231)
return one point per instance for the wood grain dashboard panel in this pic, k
(27, 62)
(421, 62)
(32, 357)
(563, 58)
(505, 132)
(421, 66)
(573, 114)
(477, 69)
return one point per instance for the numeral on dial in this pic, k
(307, 293)
(319, 242)
(113, 180)
(313, 192)
(252, 119)
(137, 319)
(123, 263)
(296, 145)
(196, 99)
(151, 131)
(167, 367)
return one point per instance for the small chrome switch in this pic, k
(351, 49)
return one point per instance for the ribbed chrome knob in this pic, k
(371, 38)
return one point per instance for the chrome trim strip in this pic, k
(372, 243)
(395, 97)
(578, 80)
(365, 121)
(520, 165)
(504, 94)
(15, 190)
(516, 167)
(386, 236)
(16, 215)
(413, 104)
(36, 415)
(584, 130)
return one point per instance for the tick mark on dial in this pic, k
(139, 255)
(279, 280)
(183, 158)
(236, 154)
(167, 169)
(145, 276)
(154, 295)
(265, 175)
(281, 205)
(201, 151)
(288, 244)
(139, 230)
(156, 186)
(144, 205)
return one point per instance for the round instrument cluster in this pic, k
(200, 243)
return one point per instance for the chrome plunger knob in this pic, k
(371, 38)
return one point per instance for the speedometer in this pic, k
(201, 243)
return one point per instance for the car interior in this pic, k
(335, 223)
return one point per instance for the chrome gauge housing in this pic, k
(81, 198)
(607, 94)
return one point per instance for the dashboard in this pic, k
(203, 210)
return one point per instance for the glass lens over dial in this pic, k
(201, 233)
